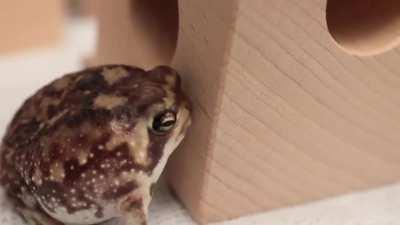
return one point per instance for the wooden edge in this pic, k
(205, 34)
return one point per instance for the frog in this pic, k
(88, 147)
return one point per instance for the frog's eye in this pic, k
(164, 122)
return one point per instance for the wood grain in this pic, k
(142, 33)
(301, 119)
(203, 46)
(283, 112)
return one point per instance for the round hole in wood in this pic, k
(155, 25)
(364, 27)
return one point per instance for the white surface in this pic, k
(22, 74)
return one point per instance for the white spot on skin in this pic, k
(83, 158)
(57, 172)
(37, 177)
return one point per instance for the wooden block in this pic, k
(26, 24)
(143, 33)
(294, 101)
(88, 8)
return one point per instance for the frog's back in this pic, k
(68, 102)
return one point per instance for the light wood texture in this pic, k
(26, 24)
(283, 114)
(143, 33)
(201, 57)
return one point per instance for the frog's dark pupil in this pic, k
(168, 123)
(164, 121)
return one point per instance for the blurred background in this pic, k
(41, 40)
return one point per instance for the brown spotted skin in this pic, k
(81, 150)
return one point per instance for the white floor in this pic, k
(22, 74)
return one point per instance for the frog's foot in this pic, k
(36, 217)
(134, 211)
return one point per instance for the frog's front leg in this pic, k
(134, 210)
